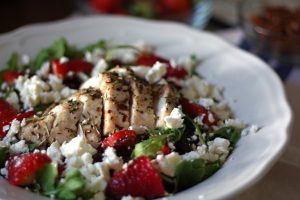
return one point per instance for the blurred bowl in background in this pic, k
(272, 29)
(193, 12)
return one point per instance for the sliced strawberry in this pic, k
(150, 59)
(22, 168)
(166, 149)
(75, 65)
(197, 110)
(7, 114)
(147, 59)
(123, 141)
(10, 76)
(177, 72)
(107, 5)
(139, 179)
(177, 5)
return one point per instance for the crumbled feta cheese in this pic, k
(34, 90)
(13, 100)
(76, 147)
(19, 147)
(250, 130)
(10, 136)
(156, 72)
(110, 157)
(143, 46)
(125, 55)
(222, 110)
(100, 67)
(235, 123)
(188, 63)
(66, 92)
(4, 172)
(129, 197)
(53, 151)
(140, 71)
(94, 56)
(63, 60)
(44, 70)
(199, 119)
(206, 102)
(219, 146)
(168, 163)
(175, 119)
(55, 82)
(25, 59)
(195, 87)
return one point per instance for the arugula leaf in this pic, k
(101, 44)
(155, 143)
(57, 49)
(189, 173)
(4, 154)
(148, 148)
(32, 147)
(230, 133)
(198, 131)
(73, 187)
(211, 168)
(46, 177)
(11, 64)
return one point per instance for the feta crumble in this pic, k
(168, 163)
(175, 119)
(156, 72)
(110, 157)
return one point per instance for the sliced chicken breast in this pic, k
(142, 110)
(91, 116)
(116, 98)
(61, 122)
(165, 100)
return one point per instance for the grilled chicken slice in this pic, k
(165, 100)
(142, 110)
(60, 123)
(116, 98)
(91, 116)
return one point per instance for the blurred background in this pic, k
(269, 29)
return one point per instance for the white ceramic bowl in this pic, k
(252, 89)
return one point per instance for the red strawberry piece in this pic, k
(10, 76)
(177, 5)
(166, 149)
(197, 110)
(150, 59)
(177, 72)
(24, 115)
(7, 114)
(147, 59)
(107, 6)
(22, 168)
(74, 65)
(123, 142)
(139, 179)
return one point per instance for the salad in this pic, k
(111, 122)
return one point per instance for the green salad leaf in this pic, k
(4, 154)
(156, 141)
(57, 49)
(46, 177)
(230, 133)
(189, 173)
(101, 44)
(73, 187)
(11, 64)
